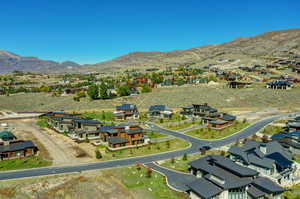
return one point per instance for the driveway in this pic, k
(175, 180)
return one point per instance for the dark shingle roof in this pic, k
(17, 146)
(223, 172)
(255, 192)
(87, 121)
(267, 185)
(108, 129)
(157, 108)
(117, 140)
(228, 117)
(218, 122)
(280, 160)
(204, 188)
(126, 107)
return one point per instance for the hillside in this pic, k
(247, 51)
(10, 62)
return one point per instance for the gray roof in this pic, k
(159, 108)
(255, 192)
(218, 122)
(87, 121)
(250, 153)
(117, 140)
(223, 172)
(267, 185)
(198, 187)
(17, 146)
(126, 107)
(228, 117)
(208, 163)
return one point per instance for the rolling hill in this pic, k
(247, 51)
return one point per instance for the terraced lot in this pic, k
(173, 97)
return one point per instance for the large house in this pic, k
(76, 127)
(289, 140)
(221, 178)
(280, 84)
(122, 135)
(160, 111)
(17, 149)
(293, 125)
(269, 159)
(236, 84)
(83, 129)
(126, 111)
(209, 116)
(62, 124)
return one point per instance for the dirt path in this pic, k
(61, 148)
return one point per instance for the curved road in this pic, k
(195, 144)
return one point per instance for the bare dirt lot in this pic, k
(75, 186)
(53, 146)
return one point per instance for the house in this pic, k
(122, 135)
(126, 111)
(280, 84)
(17, 149)
(293, 125)
(289, 140)
(7, 136)
(269, 159)
(187, 111)
(222, 121)
(160, 111)
(221, 178)
(236, 84)
(62, 124)
(51, 115)
(82, 129)
(204, 110)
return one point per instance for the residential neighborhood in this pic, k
(150, 99)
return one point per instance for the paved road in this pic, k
(195, 143)
(176, 180)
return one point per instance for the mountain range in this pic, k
(247, 51)
(11, 62)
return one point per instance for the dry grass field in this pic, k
(175, 97)
(121, 183)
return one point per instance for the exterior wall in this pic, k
(18, 154)
(194, 196)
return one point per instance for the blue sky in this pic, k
(90, 31)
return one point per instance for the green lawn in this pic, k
(175, 118)
(271, 130)
(153, 135)
(211, 134)
(182, 125)
(145, 187)
(181, 164)
(153, 148)
(26, 163)
(294, 193)
(42, 123)
(101, 116)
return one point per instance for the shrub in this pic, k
(98, 154)
(185, 157)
